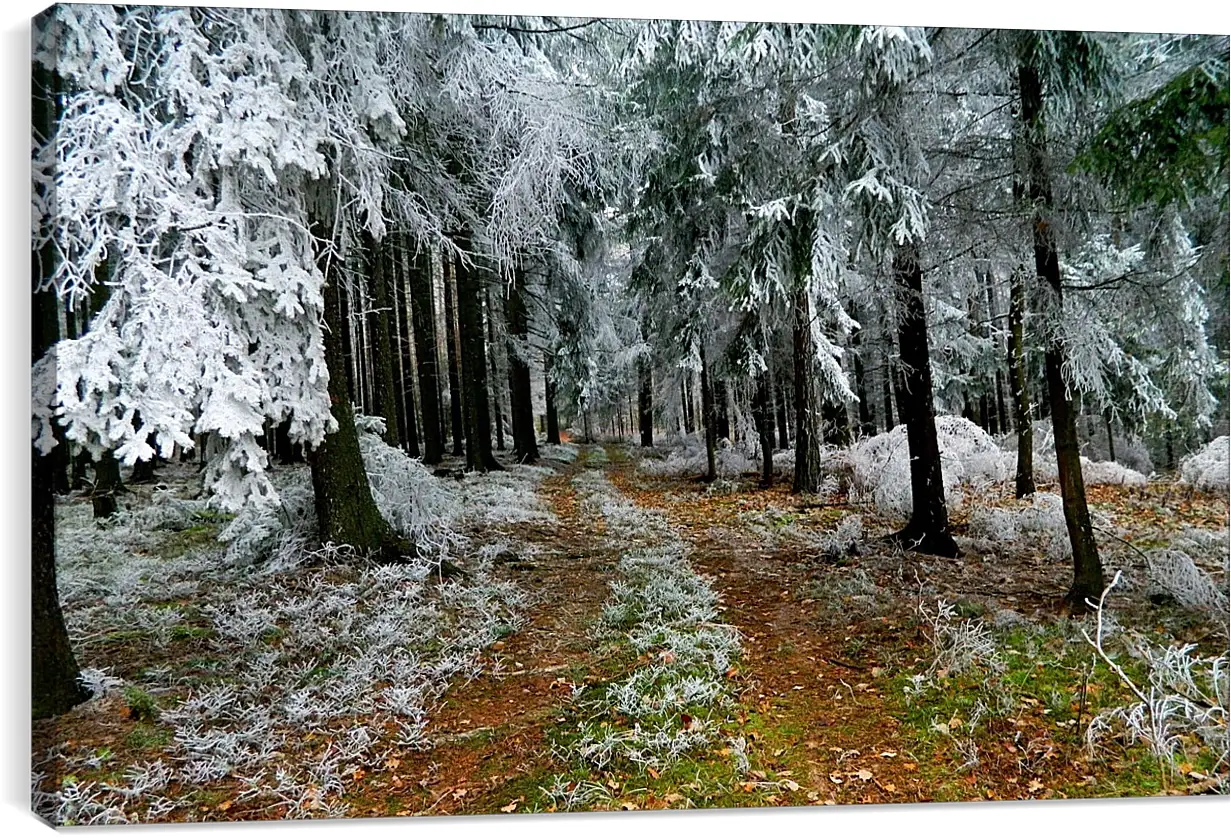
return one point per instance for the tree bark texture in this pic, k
(423, 317)
(521, 403)
(54, 684)
(807, 449)
(406, 360)
(1019, 385)
(1087, 569)
(453, 343)
(645, 401)
(345, 510)
(927, 531)
(549, 388)
(381, 339)
(473, 354)
(708, 416)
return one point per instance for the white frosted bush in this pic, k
(969, 457)
(1038, 519)
(1174, 572)
(1110, 474)
(687, 459)
(1209, 468)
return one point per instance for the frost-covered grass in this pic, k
(670, 706)
(1210, 468)
(273, 668)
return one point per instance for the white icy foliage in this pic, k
(1210, 468)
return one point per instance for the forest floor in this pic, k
(847, 686)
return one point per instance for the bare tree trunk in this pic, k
(927, 531)
(473, 355)
(494, 389)
(1087, 569)
(645, 401)
(762, 416)
(549, 387)
(521, 403)
(1020, 385)
(54, 685)
(345, 510)
(410, 424)
(1111, 440)
(453, 342)
(807, 451)
(423, 316)
(708, 417)
(385, 389)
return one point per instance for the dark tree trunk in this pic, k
(927, 531)
(887, 370)
(288, 452)
(763, 418)
(722, 409)
(1111, 440)
(478, 421)
(709, 418)
(521, 402)
(807, 450)
(1087, 569)
(494, 389)
(645, 401)
(686, 401)
(453, 342)
(549, 388)
(1019, 385)
(867, 425)
(406, 362)
(54, 684)
(380, 337)
(143, 471)
(780, 412)
(348, 343)
(345, 510)
(423, 313)
(993, 314)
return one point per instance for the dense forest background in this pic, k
(382, 297)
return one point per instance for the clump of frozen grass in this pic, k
(1110, 474)
(1185, 705)
(1038, 519)
(1173, 572)
(567, 795)
(506, 497)
(668, 613)
(843, 595)
(99, 682)
(1209, 469)
(565, 452)
(970, 458)
(416, 505)
(958, 645)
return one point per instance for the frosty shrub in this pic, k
(1110, 474)
(565, 452)
(416, 505)
(1038, 519)
(1208, 469)
(958, 645)
(1174, 572)
(1185, 705)
(881, 465)
(784, 463)
(844, 595)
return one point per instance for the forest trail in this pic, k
(491, 731)
(816, 728)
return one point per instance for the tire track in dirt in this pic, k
(491, 730)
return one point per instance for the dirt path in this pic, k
(491, 732)
(822, 720)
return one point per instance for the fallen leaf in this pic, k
(789, 785)
(864, 774)
(512, 805)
